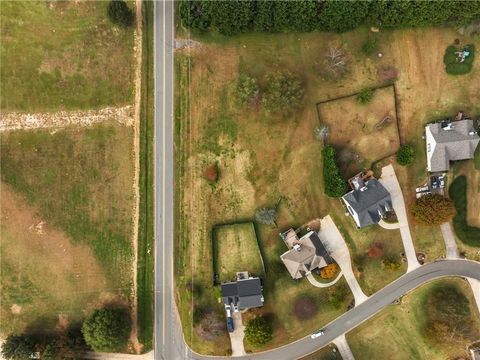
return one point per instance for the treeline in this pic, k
(235, 16)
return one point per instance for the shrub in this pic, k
(247, 89)
(210, 326)
(258, 331)
(283, 92)
(453, 67)
(433, 209)
(329, 271)
(391, 263)
(405, 155)
(119, 13)
(305, 307)
(365, 96)
(376, 250)
(369, 46)
(107, 329)
(267, 216)
(211, 173)
(334, 185)
(469, 235)
(337, 294)
(18, 347)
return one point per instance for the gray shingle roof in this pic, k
(444, 146)
(368, 202)
(245, 293)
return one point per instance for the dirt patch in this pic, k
(211, 326)
(61, 119)
(43, 274)
(305, 308)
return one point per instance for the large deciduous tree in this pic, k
(119, 13)
(107, 329)
(433, 209)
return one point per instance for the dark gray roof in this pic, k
(457, 143)
(368, 202)
(320, 249)
(245, 293)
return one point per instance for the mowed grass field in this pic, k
(77, 184)
(353, 129)
(236, 249)
(264, 157)
(404, 326)
(63, 55)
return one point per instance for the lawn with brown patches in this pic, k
(356, 130)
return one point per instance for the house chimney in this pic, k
(472, 133)
(297, 247)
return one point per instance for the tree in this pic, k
(336, 60)
(334, 185)
(391, 263)
(267, 216)
(329, 271)
(247, 89)
(365, 96)
(405, 155)
(107, 329)
(283, 91)
(376, 250)
(258, 331)
(433, 209)
(18, 347)
(119, 13)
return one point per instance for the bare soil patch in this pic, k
(305, 308)
(43, 274)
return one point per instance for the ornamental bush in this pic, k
(333, 183)
(258, 331)
(119, 13)
(247, 89)
(433, 209)
(365, 96)
(107, 330)
(405, 155)
(283, 91)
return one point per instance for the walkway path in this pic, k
(338, 249)
(389, 226)
(343, 348)
(319, 284)
(236, 337)
(390, 182)
(60, 119)
(449, 239)
(114, 356)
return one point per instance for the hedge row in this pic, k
(234, 16)
(334, 185)
(470, 235)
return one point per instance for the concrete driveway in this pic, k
(236, 337)
(343, 347)
(449, 239)
(390, 182)
(335, 244)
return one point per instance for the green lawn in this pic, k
(428, 240)
(236, 249)
(405, 327)
(80, 180)
(63, 55)
(145, 274)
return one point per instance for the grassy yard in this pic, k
(353, 132)
(78, 182)
(264, 158)
(63, 55)
(405, 326)
(236, 249)
(145, 274)
(329, 352)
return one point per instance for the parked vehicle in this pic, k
(433, 182)
(441, 180)
(228, 310)
(230, 327)
(317, 334)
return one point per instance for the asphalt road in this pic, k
(168, 342)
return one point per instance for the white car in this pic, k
(317, 334)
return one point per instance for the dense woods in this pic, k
(234, 17)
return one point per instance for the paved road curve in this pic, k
(169, 344)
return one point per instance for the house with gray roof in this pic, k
(305, 254)
(244, 293)
(449, 141)
(368, 202)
